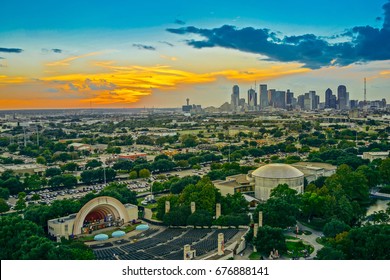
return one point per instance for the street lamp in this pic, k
(104, 174)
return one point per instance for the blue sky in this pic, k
(139, 53)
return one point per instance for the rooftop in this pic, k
(277, 171)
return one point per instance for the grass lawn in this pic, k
(255, 256)
(298, 249)
(109, 231)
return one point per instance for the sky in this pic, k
(129, 54)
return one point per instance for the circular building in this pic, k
(269, 176)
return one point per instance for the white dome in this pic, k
(277, 171)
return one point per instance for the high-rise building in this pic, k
(271, 96)
(301, 101)
(333, 102)
(342, 97)
(252, 99)
(317, 101)
(289, 97)
(263, 96)
(310, 101)
(235, 97)
(328, 96)
(279, 99)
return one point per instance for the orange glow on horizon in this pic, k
(117, 86)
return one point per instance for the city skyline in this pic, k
(81, 56)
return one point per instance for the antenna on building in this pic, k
(365, 91)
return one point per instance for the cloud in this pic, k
(45, 51)
(166, 43)
(11, 50)
(66, 61)
(144, 47)
(180, 22)
(363, 44)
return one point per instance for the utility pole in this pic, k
(37, 136)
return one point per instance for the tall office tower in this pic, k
(263, 96)
(235, 97)
(252, 99)
(333, 102)
(347, 100)
(328, 96)
(289, 97)
(307, 103)
(317, 102)
(301, 101)
(279, 99)
(310, 101)
(342, 97)
(271, 96)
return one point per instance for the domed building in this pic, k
(268, 177)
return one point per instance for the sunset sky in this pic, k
(125, 54)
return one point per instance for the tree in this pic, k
(21, 202)
(189, 140)
(268, 239)
(277, 213)
(384, 170)
(163, 165)
(3, 206)
(93, 164)
(120, 192)
(335, 227)
(177, 216)
(41, 160)
(200, 218)
(329, 253)
(53, 171)
(354, 184)
(133, 175)
(145, 140)
(144, 173)
(4, 193)
(71, 166)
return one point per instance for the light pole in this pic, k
(104, 174)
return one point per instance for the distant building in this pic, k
(132, 156)
(342, 97)
(263, 96)
(279, 99)
(21, 169)
(289, 99)
(187, 108)
(301, 101)
(375, 155)
(328, 94)
(80, 147)
(235, 97)
(268, 177)
(252, 99)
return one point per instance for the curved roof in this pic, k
(277, 171)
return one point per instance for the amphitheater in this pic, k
(161, 243)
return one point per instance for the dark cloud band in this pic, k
(11, 50)
(365, 43)
(144, 47)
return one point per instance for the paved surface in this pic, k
(311, 239)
